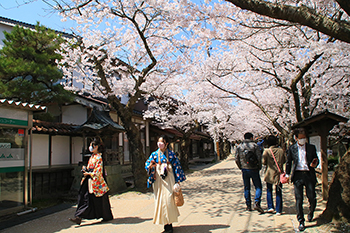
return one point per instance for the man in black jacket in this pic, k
(301, 161)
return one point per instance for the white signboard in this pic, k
(316, 140)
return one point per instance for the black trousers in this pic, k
(92, 207)
(302, 179)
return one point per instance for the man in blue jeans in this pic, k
(248, 159)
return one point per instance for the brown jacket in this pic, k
(272, 174)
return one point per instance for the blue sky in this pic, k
(35, 10)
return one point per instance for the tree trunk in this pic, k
(226, 149)
(138, 157)
(185, 151)
(338, 204)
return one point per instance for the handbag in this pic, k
(179, 198)
(283, 178)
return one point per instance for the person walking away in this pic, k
(93, 200)
(248, 159)
(164, 171)
(301, 162)
(272, 174)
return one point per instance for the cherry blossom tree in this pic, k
(171, 113)
(236, 70)
(124, 49)
(288, 72)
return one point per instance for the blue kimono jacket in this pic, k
(177, 169)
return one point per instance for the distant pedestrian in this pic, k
(248, 159)
(272, 175)
(301, 161)
(261, 143)
(93, 200)
(165, 170)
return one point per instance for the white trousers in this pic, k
(166, 212)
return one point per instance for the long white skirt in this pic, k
(166, 212)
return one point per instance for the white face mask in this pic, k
(161, 145)
(302, 141)
(91, 148)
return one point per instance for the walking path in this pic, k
(214, 202)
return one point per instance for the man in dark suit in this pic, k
(301, 161)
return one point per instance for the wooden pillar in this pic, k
(50, 150)
(324, 165)
(83, 149)
(217, 150)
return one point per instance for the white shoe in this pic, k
(271, 210)
(278, 214)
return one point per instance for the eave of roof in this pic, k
(100, 120)
(325, 115)
(22, 105)
(56, 128)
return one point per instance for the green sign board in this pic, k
(8, 121)
(11, 169)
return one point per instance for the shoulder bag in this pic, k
(283, 178)
(178, 196)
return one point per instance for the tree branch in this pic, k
(301, 15)
(294, 87)
(257, 104)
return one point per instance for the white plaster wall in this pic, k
(2, 36)
(40, 150)
(77, 145)
(74, 114)
(60, 150)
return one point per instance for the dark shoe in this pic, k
(168, 228)
(310, 216)
(301, 226)
(171, 228)
(258, 208)
(249, 208)
(76, 220)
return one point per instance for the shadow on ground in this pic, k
(198, 228)
(118, 221)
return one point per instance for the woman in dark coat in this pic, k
(93, 200)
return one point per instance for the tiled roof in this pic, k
(196, 135)
(53, 128)
(99, 120)
(22, 105)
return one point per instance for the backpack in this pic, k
(250, 158)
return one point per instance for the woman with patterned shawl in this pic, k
(93, 200)
(164, 171)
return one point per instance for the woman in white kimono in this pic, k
(164, 171)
